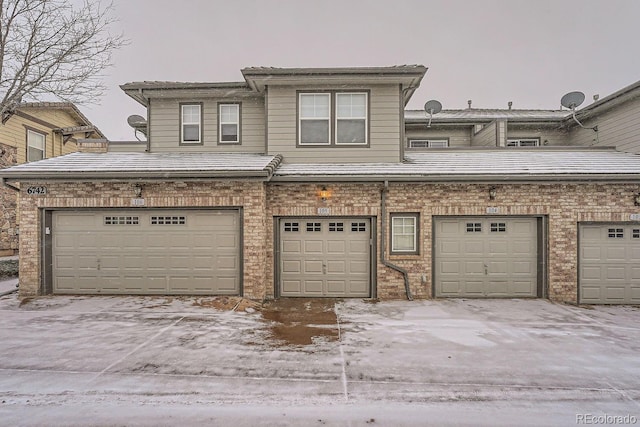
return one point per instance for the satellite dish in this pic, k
(572, 100)
(432, 107)
(135, 120)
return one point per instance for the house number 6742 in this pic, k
(36, 190)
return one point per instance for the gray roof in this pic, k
(123, 165)
(508, 164)
(486, 114)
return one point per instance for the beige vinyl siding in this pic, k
(13, 133)
(384, 127)
(486, 137)
(619, 127)
(458, 137)
(165, 126)
(547, 137)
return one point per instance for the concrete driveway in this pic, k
(227, 361)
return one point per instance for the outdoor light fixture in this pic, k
(324, 193)
(137, 190)
(492, 193)
(636, 199)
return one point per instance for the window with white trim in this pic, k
(404, 233)
(428, 143)
(229, 123)
(35, 146)
(523, 142)
(191, 123)
(333, 118)
(351, 118)
(315, 118)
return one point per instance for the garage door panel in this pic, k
(335, 257)
(144, 251)
(498, 256)
(609, 267)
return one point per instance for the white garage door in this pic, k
(486, 257)
(322, 257)
(609, 263)
(161, 252)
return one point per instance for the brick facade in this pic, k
(564, 206)
(8, 199)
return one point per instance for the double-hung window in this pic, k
(315, 118)
(35, 146)
(333, 118)
(229, 123)
(351, 118)
(404, 234)
(191, 123)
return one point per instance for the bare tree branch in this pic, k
(50, 48)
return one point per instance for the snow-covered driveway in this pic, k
(166, 361)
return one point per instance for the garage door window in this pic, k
(121, 220)
(336, 226)
(474, 227)
(636, 233)
(291, 226)
(404, 234)
(358, 226)
(498, 227)
(616, 233)
(314, 226)
(168, 220)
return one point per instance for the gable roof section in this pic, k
(126, 165)
(84, 124)
(142, 91)
(477, 165)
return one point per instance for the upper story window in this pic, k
(333, 118)
(429, 143)
(523, 142)
(35, 146)
(191, 123)
(229, 123)
(351, 118)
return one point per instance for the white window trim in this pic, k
(517, 142)
(183, 123)
(365, 118)
(414, 218)
(430, 141)
(301, 119)
(29, 144)
(237, 123)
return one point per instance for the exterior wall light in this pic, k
(492, 193)
(324, 193)
(636, 199)
(137, 190)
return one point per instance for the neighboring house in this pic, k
(30, 132)
(317, 183)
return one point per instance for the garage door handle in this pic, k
(324, 268)
(486, 269)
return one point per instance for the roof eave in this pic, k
(486, 178)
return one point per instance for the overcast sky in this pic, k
(530, 52)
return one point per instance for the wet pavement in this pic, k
(165, 360)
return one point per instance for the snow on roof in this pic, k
(487, 114)
(484, 164)
(150, 165)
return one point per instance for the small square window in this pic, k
(314, 226)
(616, 233)
(291, 226)
(498, 227)
(404, 233)
(474, 227)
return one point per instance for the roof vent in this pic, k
(469, 102)
(510, 104)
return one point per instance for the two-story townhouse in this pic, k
(318, 183)
(30, 132)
